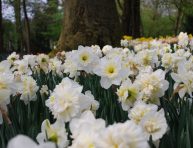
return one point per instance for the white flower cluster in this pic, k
(139, 76)
(68, 101)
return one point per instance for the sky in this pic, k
(8, 11)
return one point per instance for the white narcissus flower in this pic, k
(44, 90)
(55, 133)
(154, 124)
(128, 93)
(64, 101)
(86, 139)
(70, 65)
(123, 135)
(86, 59)
(152, 85)
(147, 58)
(55, 65)
(28, 89)
(183, 81)
(91, 104)
(191, 44)
(22, 67)
(183, 39)
(110, 71)
(43, 60)
(106, 49)
(31, 60)
(167, 60)
(6, 84)
(21, 141)
(5, 67)
(124, 43)
(86, 122)
(97, 50)
(67, 101)
(85, 130)
(140, 109)
(13, 57)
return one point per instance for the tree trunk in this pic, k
(27, 28)
(17, 10)
(1, 29)
(178, 21)
(131, 18)
(88, 22)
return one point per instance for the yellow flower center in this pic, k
(3, 85)
(111, 71)
(151, 126)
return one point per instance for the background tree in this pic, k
(1, 29)
(131, 18)
(27, 28)
(89, 22)
(18, 24)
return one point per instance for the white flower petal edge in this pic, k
(22, 141)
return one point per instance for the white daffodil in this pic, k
(28, 89)
(140, 109)
(183, 39)
(106, 49)
(128, 93)
(97, 50)
(91, 104)
(86, 139)
(123, 135)
(152, 85)
(86, 59)
(55, 66)
(154, 124)
(5, 67)
(22, 67)
(86, 122)
(67, 101)
(44, 90)
(124, 43)
(110, 71)
(55, 133)
(21, 141)
(31, 60)
(147, 58)
(167, 61)
(183, 81)
(12, 58)
(6, 84)
(70, 65)
(43, 60)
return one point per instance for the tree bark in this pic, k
(88, 22)
(17, 10)
(27, 28)
(1, 29)
(131, 18)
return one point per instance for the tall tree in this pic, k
(1, 28)
(17, 10)
(27, 28)
(88, 22)
(131, 18)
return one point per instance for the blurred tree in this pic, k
(27, 28)
(1, 29)
(88, 22)
(18, 24)
(46, 25)
(181, 7)
(131, 18)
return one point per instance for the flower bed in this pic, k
(100, 98)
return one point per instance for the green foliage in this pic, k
(156, 25)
